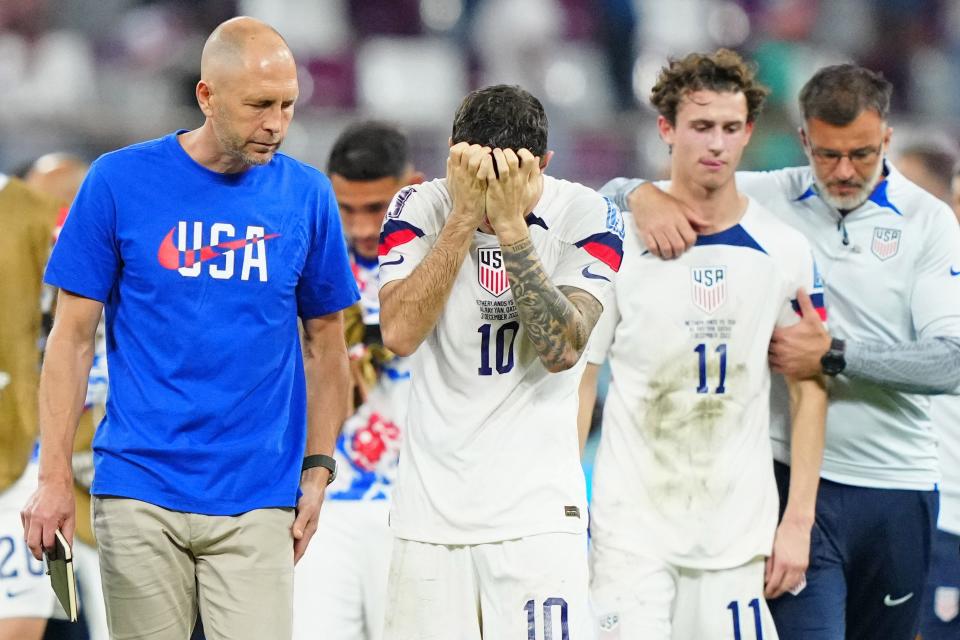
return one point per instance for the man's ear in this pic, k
(666, 130)
(545, 160)
(204, 93)
(416, 177)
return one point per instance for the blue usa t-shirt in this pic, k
(203, 275)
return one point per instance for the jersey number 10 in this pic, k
(503, 358)
(701, 350)
(548, 606)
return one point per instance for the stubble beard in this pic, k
(233, 146)
(848, 203)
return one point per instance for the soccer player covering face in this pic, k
(685, 534)
(493, 279)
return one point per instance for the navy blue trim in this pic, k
(809, 193)
(363, 261)
(533, 219)
(593, 276)
(816, 299)
(735, 236)
(879, 197)
(394, 263)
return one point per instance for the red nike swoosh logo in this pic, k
(170, 257)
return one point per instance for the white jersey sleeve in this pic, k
(592, 232)
(935, 299)
(409, 230)
(767, 186)
(602, 337)
(806, 277)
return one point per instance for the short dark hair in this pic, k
(502, 116)
(838, 94)
(721, 71)
(370, 150)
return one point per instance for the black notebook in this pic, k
(60, 570)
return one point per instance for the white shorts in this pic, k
(532, 588)
(340, 583)
(641, 597)
(24, 587)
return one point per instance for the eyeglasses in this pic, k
(862, 157)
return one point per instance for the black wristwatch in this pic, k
(320, 460)
(833, 361)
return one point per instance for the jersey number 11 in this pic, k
(701, 350)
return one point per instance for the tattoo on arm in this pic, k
(558, 320)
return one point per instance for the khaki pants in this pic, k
(158, 565)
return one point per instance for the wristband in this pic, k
(320, 460)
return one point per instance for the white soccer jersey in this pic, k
(945, 415)
(490, 452)
(888, 271)
(684, 466)
(368, 446)
(365, 272)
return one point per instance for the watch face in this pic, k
(832, 363)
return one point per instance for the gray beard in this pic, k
(849, 203)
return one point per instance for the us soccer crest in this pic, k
(490, 271)
(708, 287)
(886, 242)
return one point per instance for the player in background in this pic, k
(887, 251)
(29, 217)
(493, 279)
(929, 164)
(932, 166)
(340, 584)
(684, 512)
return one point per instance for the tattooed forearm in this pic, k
(558, 320)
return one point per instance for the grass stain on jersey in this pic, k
(683, 430)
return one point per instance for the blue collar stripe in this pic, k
(879, 197)
(735, 236)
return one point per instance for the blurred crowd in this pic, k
(94, 75)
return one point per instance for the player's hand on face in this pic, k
(667, 226)
(796, 351)
(513, 190)
(51, 507)
(468, 166)
(787, 565)
(313, 485)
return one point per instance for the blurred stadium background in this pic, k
(89, 76)
(94, 75)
